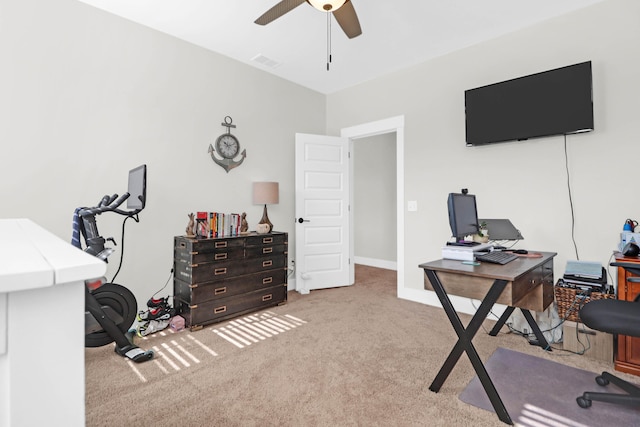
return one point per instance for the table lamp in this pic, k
(265, 193)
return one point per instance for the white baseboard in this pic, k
(373, 262)
(460, 304)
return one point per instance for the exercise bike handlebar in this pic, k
(110, 204)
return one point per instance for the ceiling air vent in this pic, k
(267, 62)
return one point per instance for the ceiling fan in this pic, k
(342, 10)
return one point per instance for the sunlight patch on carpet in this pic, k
(177, 351)
(136, 371)
(243, 332)
(534, 416)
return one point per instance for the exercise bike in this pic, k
(110, 309)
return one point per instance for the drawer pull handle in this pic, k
(221, 244)
(268, 263)
(267, 280)
(220, 291)
(267, 250)
(218, 257)
(220, 271)
(267, 240)
(267, 297)
(219, 310)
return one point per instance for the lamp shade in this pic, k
(327, 5)
(265, 193)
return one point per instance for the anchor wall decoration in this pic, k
(228, 147)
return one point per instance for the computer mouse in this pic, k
(520, 251)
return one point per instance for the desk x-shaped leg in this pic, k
(542, 342)
(464, 341)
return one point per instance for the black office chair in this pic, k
(615, 317)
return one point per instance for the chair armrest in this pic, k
(631, 267)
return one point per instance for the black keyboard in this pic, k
(497, 257)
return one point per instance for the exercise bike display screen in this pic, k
(137, 188)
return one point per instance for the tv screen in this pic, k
(463, 215)
(553, 102)
(137, 188)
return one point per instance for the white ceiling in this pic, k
(395, 34)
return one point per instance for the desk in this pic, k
(42, 291)
(526, 283)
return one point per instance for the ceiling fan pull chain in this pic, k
(328, 40)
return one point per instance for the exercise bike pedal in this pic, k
(135, 353)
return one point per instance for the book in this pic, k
(217, 224)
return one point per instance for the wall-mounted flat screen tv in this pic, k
(553, 102)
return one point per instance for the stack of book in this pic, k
(215, 224)
(584, 275)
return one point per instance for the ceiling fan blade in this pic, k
(278, 10)
(348, 20)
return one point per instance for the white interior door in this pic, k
(322, 212)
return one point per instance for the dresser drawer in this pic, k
(265, 250)
(207, 272)
(266, 239)
(202, 250)
(207, 245)
(201, 292)
(226, 254)
(197, 315)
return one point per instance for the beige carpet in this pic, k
(353, 356)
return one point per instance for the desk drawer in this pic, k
(532, 291)
(540, 284)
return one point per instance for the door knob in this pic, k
(301, 220)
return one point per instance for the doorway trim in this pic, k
(392, 124)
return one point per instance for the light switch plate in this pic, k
(412, 206)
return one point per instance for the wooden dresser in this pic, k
(219, 278)
(628, 349)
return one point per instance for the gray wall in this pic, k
(86, 96)
(533, 190)
(374, 200)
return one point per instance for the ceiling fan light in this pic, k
(327, 5)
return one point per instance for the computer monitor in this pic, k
(137, 188)
(463, 215)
